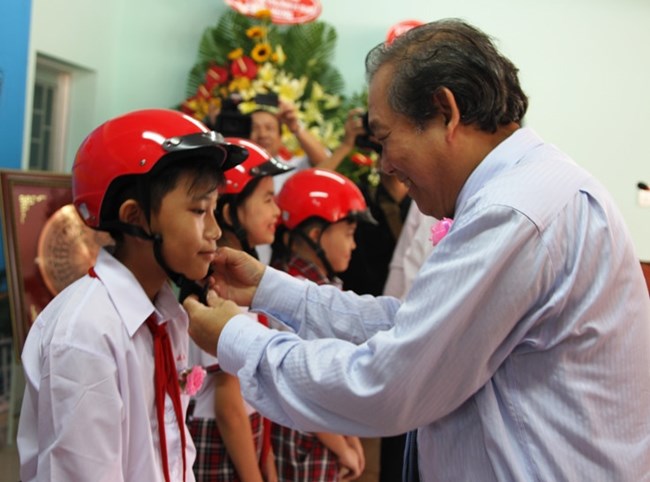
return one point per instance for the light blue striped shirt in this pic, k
(522, 351)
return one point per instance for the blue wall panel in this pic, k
(14, 43)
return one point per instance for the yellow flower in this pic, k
(289, 87)
(312, 113)
(317, 92)
(263, 14)
(279, 57)
(247, 107)
(256, 32)
(261, 52)
(239, 84)
(329, 136)
(236, 54)
(331, 101)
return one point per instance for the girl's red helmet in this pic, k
(133, 144)
(258, 164)
(321, 193)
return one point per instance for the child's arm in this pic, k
(269, 470)
(356, 444)
(235, 427)
(348, 457)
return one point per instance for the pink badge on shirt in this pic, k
(191, 380)
(440, 229)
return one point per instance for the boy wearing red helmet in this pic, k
(320, 211)
(232, 439)
(102, 361)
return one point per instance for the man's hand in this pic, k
(207, 322)
(236, 275)
(288, 115)
(353, 127)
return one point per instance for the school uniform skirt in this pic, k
(301, 457)
(213, 464)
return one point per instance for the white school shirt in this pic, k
(412, 248)
(88, 411)
(204, 398)
(521, 351)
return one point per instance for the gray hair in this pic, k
(453, 54)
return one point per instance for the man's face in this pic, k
(265, 131)
(421, 159)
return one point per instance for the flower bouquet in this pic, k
(246, 56)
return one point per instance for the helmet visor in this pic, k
(272, 167)
(363, 216)
(227, 155)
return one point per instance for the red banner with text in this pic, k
(282, 11)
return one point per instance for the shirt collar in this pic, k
(128, 296)
(507, 154)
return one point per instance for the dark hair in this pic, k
(234, 201)
(453, 54)
(150, 189)
(282, 246)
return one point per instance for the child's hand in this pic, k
(350, 464)
(269, 470)
(357, 446)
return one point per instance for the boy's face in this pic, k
(259, 213)
(188, 227)
(338, 243)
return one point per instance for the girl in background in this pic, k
(231, 438)
(319, 214)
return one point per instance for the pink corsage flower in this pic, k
(191, 380)
(440, 229)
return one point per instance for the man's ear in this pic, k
(131, 213)
(445, 103)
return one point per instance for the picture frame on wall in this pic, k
(28, 199)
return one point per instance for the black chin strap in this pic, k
(186, 286)
(318, 250)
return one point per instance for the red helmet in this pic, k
(321, 193)
(259, 164)
(133, 144)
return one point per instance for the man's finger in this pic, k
(190, 302)
(212, 298)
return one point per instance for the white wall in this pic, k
(582, 64)
(125, 54)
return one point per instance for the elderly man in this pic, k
(521, 350)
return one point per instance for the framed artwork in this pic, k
(47, 246)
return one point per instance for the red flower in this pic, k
(361, 159)
(203, 92)
(215, 76)
(243, 67)
(186, 106)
